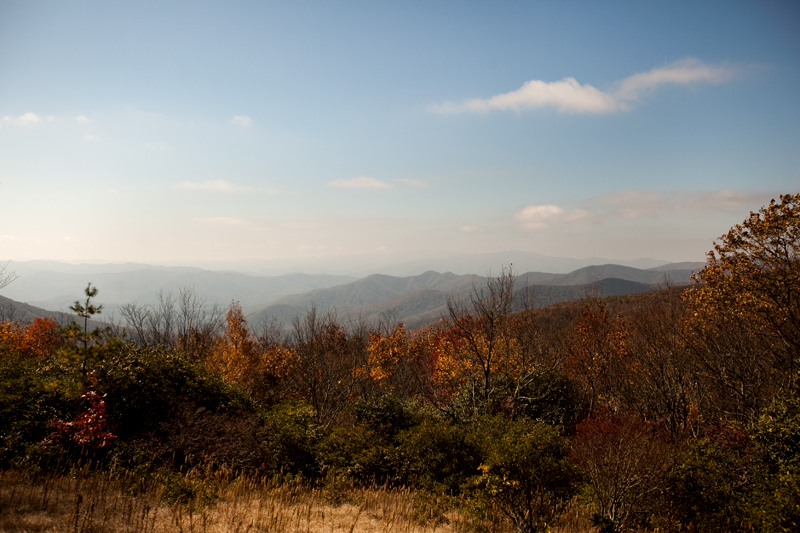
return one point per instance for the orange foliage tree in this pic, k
(235, 353)
(745, 312)
(597, 355)
(39, 340)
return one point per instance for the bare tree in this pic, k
(481, 323)
(330, 363)
(6, 275)
(183, 321)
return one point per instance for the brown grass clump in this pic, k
(88, 502)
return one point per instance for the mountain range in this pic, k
(416, 300)
(422, 299)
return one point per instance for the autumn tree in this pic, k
(660, 377)
(745, 309)
(235, 354)
(495, 351)
(626, 461)
(37, 341)
(330, 362)
(597, 355)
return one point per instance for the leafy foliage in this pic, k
(524, 472)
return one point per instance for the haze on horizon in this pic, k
(197, 132)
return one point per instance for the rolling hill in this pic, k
(419, 300)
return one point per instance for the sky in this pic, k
(187, 132)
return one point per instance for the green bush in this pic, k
(711, 483)
(436, 455)
(387, 416)
(777, 434)
(524, 472)
(358, 454)
(289, 437)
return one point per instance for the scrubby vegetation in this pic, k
(675, 410)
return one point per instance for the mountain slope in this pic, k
(420, 300)
(58, 290)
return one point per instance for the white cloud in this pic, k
(470, 229)
(27, 120)
(213, 185)
(542, 215)
(568, 95)
(684, 72)
(636, 204)
(565, 95)
(82, 119)
(243, 121)
(363, 182)
(89, 137)
(643, 204)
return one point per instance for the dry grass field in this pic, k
(87, 503)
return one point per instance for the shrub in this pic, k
(436, 455)
(711, 482)
(288, 438)
(626, 461)
(524, 472)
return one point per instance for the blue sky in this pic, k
(197, 131)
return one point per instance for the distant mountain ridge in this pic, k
(418, 300)
(51, 289)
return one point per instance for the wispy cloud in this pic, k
(643, 204)
(89, 137)
(362, 182)
(570, 96)
(636, 204)
(565, 95)
(542, 215)
(684, 72)
(214, 185)
(82, 119)
(243, 121)
(470, 229)
(27, 120)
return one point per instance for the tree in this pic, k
(497, 354)
(236, 354)
(87, 310)
(626, 461)
(6, 276)
(745, 308)
(329, 363)
(524, 472)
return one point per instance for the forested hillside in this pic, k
(670, 410)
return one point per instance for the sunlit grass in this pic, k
(87, 502)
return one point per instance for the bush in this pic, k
(626, 461)
(436, 455)
(387, 416)
(358, 454)
(711, 482)
(288, 438)
(524, 472)
(777, 435)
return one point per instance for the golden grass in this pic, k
(92, 503)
